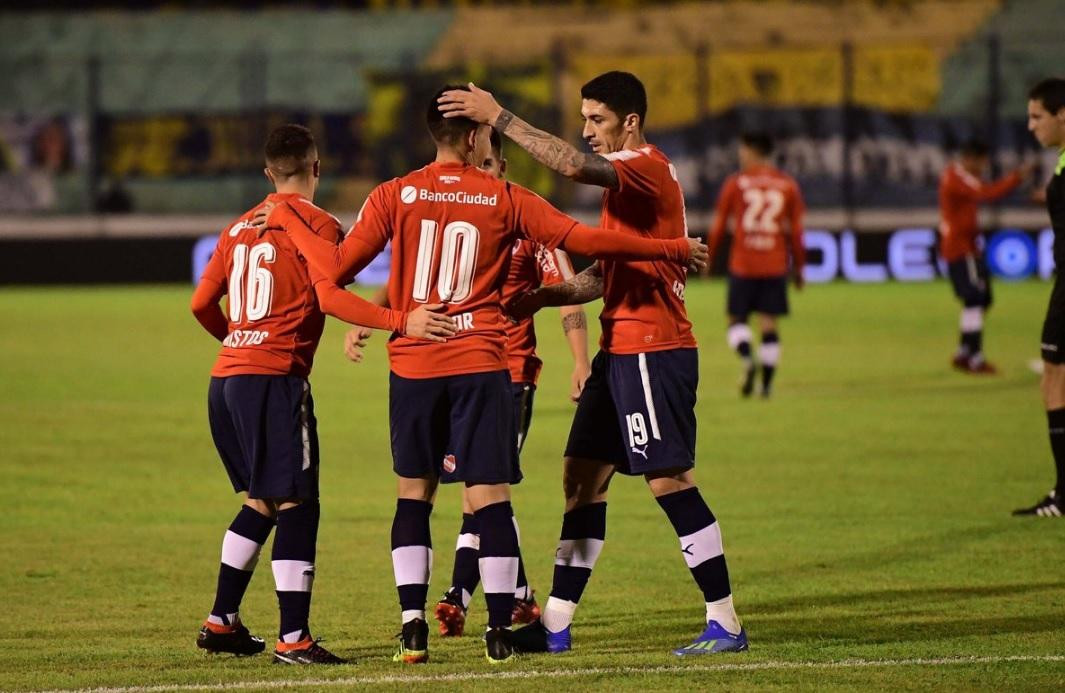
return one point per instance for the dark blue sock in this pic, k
(580, 542)
(293, 563)
(498, 561)
(240, 552)
(700, 541)
(412, 546)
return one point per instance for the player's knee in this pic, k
(264, 507)
(666, 481)
(1053, 385)
(584, 482)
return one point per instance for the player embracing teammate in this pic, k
(451, 226)
(636, 413)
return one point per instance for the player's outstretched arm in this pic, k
(584, 287)
(610, 245)
(336, 262)
(555, 153)
(424, 322)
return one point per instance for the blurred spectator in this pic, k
(51, 149)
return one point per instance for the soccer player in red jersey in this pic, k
(766, 209)
(636, 413)
(532, 265)
(961, 190)
(451, 226)
(259, 401)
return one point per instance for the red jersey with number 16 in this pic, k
(274, 319)
(764, 202)
(643, 301)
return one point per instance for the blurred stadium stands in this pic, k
(164, 110)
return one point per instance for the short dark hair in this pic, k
(974, 146)
(759, 141)
(1051, 93)
(290, 150)
(621, 92)
(447, 130)
(497, 143)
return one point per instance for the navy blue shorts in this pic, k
(266, 433)
(971, 281)
(459, 427)
(765, 295)
(637, 411)
(523, 409)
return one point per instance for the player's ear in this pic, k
(316, 168)
(268, 174)
(632, 122)
(471, 140)
(502, 167)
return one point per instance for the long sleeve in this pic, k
(341, 303)
(612, 245)
(336, 262)
(721, 214)
(208, 293)
(980, 191)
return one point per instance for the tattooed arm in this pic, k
(553, 152)
(575, 327)
(586, 286)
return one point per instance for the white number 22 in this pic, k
(763, 210)
(458, 260)
(254, 296)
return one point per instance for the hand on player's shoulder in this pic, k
(261, 219)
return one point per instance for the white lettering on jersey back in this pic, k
(239, 226)
(457, 197)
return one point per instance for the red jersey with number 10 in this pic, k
(452, 227)
(274, 319)
(764, 202)
(643, 301)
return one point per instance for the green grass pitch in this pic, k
(865, 509)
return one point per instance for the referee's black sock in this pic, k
(1056, 428)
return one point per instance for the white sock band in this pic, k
(724, 613)
(578, 553)
(239, 552)
(737, 334)
(769, 354)
(972, 319)
(293, 576)
(558, 614)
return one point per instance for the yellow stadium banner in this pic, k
(897, 78)
(902, 78)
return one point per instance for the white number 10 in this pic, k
(458, 260)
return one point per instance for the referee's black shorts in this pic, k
(1053, 340)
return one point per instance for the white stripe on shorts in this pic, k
(646, 380)
(305, 429)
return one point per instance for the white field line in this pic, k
(568, 673)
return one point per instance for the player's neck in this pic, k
(449, 156)
(304, 190)
(634, 140)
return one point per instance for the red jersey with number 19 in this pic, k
(274, 319)
(643, 301)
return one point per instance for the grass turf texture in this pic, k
(865, 508)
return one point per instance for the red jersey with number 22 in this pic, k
(764, 203)
(274, 319)
(643, 301)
